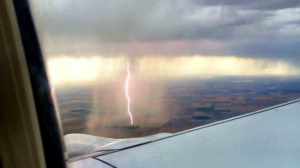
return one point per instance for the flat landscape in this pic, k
(168, 106)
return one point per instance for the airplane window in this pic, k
(127, 69)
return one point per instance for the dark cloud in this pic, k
(170, 27)
(279, 48)
(142, 20)
(253, 4)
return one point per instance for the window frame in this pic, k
(51, 134)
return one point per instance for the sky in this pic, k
(244, 29)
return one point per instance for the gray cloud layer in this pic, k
(173, 27)
(255, 4)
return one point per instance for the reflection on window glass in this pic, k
(136, 68)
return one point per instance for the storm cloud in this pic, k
(263, 29)
(255, 4)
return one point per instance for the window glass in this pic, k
(124, 69)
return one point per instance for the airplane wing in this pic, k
(262, 139)
(82, 144)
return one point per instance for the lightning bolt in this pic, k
(127, 95)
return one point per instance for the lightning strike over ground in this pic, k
(127, 94)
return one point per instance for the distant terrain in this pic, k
(168, 106)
